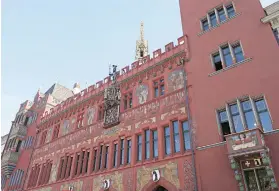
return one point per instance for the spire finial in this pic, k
(141, 31)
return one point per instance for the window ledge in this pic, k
(272, 132)
(219, 24)
(230, 67)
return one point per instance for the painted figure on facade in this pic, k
(176, 80)
(142, 93)
(90, 115)
(66, 127)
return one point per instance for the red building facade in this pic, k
(202, 115)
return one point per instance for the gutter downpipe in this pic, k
(190, 122)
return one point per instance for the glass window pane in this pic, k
(205, 25)
(162, 90)
(167, 131)
(167, 146)
(186, 136)
(231, 11)
(147, 135)
(223, 116)
(213, 19)
(139, 152)
(238, 53)
(246, 105)
(222, 15)
(265, 121)
(147, 150)
(217, 58)
(185, 126)
(250, 119)
(227, 56)
(175, 127)
(176, 143)
(155, 149)
(156, 92)
(237, 124)
(155, 135)
(234, 109)
(261, 106)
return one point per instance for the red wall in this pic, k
(254, 78)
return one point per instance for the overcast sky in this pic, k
(70, 41)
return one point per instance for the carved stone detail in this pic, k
(112, 102)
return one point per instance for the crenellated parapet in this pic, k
(128, 76)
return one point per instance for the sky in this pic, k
(70, 41)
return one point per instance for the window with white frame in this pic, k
(227, 55)
(244, 115)
(217, 16)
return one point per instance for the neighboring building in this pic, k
(18, 149)
(3, 142)
(201, 115)
(233, 76)
(272, 17)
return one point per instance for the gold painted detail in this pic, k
(116, 181)
(169, 171)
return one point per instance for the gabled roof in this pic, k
(59, 92)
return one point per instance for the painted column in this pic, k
(171, 138)
(125, 151)
(134, 148)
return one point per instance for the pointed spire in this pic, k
(141, 31)
(141, 44)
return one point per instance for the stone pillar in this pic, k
(161, 147)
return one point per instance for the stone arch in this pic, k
(162, 182)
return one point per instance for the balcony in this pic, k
(8, 162)
(19, 130)
(246, 142)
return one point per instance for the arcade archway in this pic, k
(160, 188)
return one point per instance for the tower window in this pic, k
(141, 53)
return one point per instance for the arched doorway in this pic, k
(160, 188)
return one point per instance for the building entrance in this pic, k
(257, 180)
(160, 188)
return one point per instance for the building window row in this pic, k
(128, 100)
(244, 115)
(216, 16)
(27, 143)
(177, 137)
(14, 143)
(33, 178)
(45, 173)
(227, 55)
(159, 87)
(16, 178)
(3, 181)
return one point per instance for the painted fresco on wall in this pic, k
(66, 127)
(188, 175)
(91, 115)
(116, 181)
(53, 173)
(49, 133)
(77, 186)
(142, 93)
(176, 80)
(169, 171)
